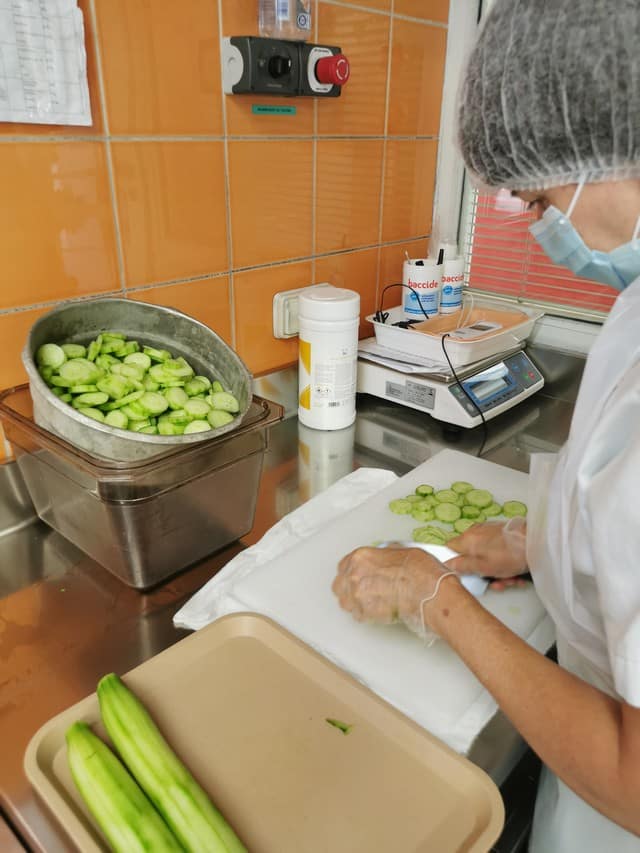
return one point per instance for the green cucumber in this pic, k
(183, 804)
(122, 811)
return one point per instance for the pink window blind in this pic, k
(505, 259)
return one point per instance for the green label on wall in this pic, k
(269, 109)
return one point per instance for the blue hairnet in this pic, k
(552, 94)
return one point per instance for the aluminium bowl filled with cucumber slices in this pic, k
(127, 380)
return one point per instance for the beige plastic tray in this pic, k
(245, 704)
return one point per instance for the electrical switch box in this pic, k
(261, 66)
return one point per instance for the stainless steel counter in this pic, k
(65, 621)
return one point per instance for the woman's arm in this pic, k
(588, 739)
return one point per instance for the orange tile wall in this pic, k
(181, 196)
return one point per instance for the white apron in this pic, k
(583, 549)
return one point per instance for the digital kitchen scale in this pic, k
(495, 385)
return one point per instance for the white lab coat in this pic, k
(583, 548)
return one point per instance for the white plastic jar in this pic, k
(328, 319)
(452, 286)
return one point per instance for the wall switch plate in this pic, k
(261, 66)
(285, 312)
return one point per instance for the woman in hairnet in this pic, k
(550, 109)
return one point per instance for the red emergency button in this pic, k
(333, 70)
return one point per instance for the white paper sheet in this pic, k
(43, 63)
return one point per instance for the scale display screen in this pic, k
(490, 383)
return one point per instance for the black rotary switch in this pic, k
(279, 66)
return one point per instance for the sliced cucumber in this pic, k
(111, 380)
(84, 389)
(197, 409)
(463, 524)
(197, 426)
(83, 401)
(400, 506)
(157, 354)
(167, 428)
(176, 398)
(141, 359)
(461, 487)
(153, 403)
(94, 414)
(80, 371)
(423, 515)
(470, 511)
(124, 401)
(446, 496)
(117, 418)
(218, 418)
(425, 489)
(116, 387)
(447, 512)
(225, 402)
(194, 387)
(94, 349)
(479, 497)
(50, 355)
(511, 509)
(139, 426)
(74, 350)
(492, 510)
(207, 382)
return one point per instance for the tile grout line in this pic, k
(107, 143)
(61, 138)
(227, 272)
(227, 191)
(314, 155)
(428, 21)
(383, 175)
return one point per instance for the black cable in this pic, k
(382, 316)
(467, 395)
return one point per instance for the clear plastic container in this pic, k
(285, 19)
(144, 520)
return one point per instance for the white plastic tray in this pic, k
(460, 352)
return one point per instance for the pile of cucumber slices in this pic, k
(458, 507)
(127, 385)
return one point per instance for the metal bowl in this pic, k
(165, 328)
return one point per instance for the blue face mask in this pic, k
(564, 246)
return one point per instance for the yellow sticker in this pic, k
(305, 397)
(305, 355)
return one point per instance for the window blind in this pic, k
(503, 258)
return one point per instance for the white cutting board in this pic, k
(429, 684)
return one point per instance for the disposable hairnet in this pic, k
(552, 94)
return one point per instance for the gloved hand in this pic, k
(389, 585)
(493, 549)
